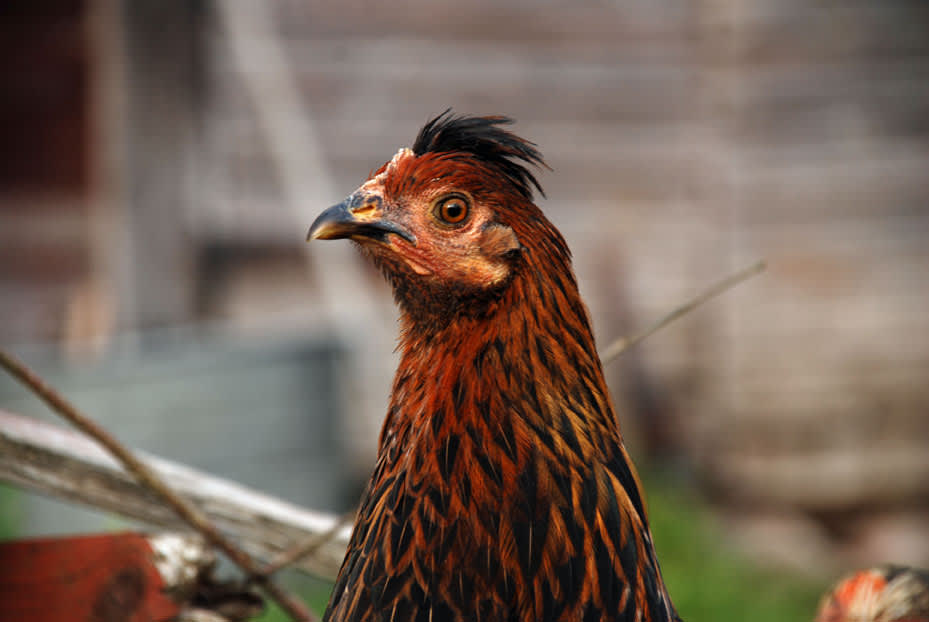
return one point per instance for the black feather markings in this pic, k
(611, 586)
(490, 470)
(440, 611)
(568, 433)
(571, 575)
(628, 555)
(401, 535)
(447, 455)
(592, 613)
(618, 466)
(483, 138)
(504, 438)
(440, 500)
(428, 525)
(464, 491)
(654, 601)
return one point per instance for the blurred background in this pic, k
(161, 162)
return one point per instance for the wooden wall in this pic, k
(818, 401)
(687, 140)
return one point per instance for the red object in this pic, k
(101, 578)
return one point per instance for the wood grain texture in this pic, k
(52, 460)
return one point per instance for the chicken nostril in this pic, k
(364, 205)
(363, 209)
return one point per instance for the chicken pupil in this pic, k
(453, 210)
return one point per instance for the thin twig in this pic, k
(309, 546)
(622, 344)
(148, 478)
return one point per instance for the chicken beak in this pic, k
(360, 215)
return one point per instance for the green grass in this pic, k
(313, 592)
(10, 512)
(708, 582)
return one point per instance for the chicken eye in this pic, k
(452, 210)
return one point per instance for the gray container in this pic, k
(262, 414)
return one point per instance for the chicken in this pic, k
(882, 594)
(502, 489)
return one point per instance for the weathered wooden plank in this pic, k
(401, 79)
(487, 20)
(833, 479)
(52, 460)
(588, 158)
(796, 32)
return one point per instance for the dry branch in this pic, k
(56, 461)
(622, 344)
(313, 544)
(189, 512)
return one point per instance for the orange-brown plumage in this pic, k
(502, 490)
(881, 594)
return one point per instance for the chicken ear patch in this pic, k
(499, 240)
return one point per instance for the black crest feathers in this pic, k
(483, 138)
